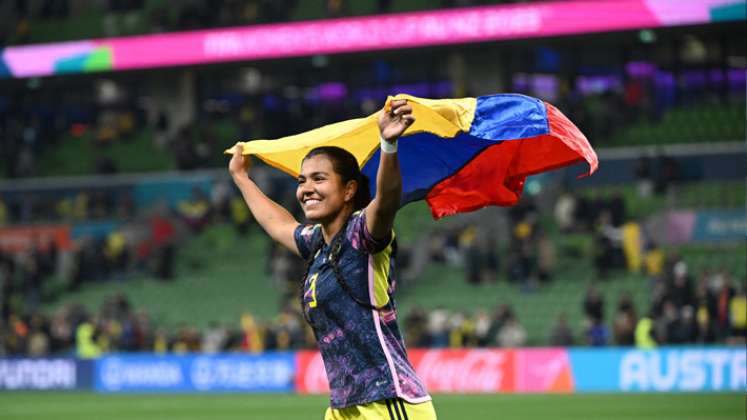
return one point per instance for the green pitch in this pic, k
(84, 406)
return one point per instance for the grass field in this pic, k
(83, 406)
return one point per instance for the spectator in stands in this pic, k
(607, 245)
(705, 310)
(187, 340)
(61, 330)
(617, 210)
(501, 314)
(644, 175)
(3, 213)
(669, 324)
(479, 254)
(416, 333)
(596, 334)
(546, 257)
(644, 332)
(7, 288)
(163, 236)
(688, 332)
(561, 334)
(512, 333)
(738, 316)
(195, 212)
(30, 271)
(437, 327)
(220, 197)
(252, 339)
(520, 261)
(565, 211)
(86, 337)
(624, 322)
(290, 330)
(653, 258)
(482, 328)
(471, 252)
(161, 341)
(4, 338)
(17, 335)
(337, 8)
(723, 298)
(593, 304)
(679, 286)
(461, 330)
(116, 255)
(668, 175)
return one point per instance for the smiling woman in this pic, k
(348, 286)
(314, 191)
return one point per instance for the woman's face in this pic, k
(320, 191)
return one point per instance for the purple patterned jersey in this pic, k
(363, 351)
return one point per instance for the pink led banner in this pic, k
(406, 30)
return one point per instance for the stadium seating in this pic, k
(698, 123)
(210, 286)
(138, 153)
(75, 155)
(690, 195)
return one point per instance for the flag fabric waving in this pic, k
(459, 154)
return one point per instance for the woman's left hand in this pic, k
(393, 123)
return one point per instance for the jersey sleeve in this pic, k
(304, 236)
(361, 238)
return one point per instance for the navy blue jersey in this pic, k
(362, 348)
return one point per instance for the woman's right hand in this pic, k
(239, 164)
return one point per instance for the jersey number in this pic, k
(312, 290)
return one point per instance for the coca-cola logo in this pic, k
(458, 371)
(464, 370)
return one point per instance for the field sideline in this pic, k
(83, 406)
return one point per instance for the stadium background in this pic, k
(129, 264)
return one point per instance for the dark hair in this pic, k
(345, 165)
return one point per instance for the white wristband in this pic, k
(388, 147)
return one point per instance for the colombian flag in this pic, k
(459, 155)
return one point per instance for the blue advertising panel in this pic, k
(44, 374)
(267, 372)
(681, 369)
(96, 229)
(172, 190)
(720, 225)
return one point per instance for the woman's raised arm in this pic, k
(382, 209)
(274, 219)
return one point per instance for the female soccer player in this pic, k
(349, 281)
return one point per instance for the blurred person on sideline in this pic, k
(738, 316)
(561, 334)
(512, 334)
(354, 322)
(624, 322)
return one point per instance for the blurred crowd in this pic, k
(116, 239)
(682, 311)
(711, 309)
(118, 327)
